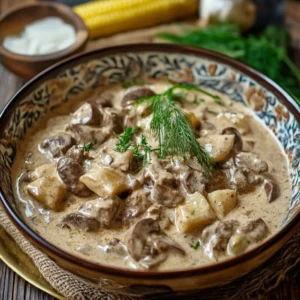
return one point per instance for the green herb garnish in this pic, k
(88, 146)
(172, 128)
(196, 245)
(125, 139)
(267, 52)
(146, 150)
(193, 211)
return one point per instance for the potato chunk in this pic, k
(222, 202)
(218, 146)
(193, 119)
(236, 120)
(46, 170)
(195, 213)
(105, 181)
(49, 191)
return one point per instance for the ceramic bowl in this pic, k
(14, 21)
(61, 82)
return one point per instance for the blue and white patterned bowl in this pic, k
(61, 82)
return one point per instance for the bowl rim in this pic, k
(57, 68)
(76, 22)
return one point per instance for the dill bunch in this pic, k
(172, 128)
(267, 52)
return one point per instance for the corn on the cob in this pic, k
(107, 17)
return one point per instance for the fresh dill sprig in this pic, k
(88, 146)
(125, 139)
(143, 146)
(172, 128)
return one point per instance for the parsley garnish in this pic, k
(196, 245)
(88, 146)
(193, 211)
(125, 139)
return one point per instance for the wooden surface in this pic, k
(12, 287)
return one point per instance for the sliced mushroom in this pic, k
(69, 171)
(59, 144)
(86, 134)
(113, 119)
(135, 93)
(87, 114)
(148, 245)
(76, 153)
(238, 142)
(271, 189)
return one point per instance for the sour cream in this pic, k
(41, 37)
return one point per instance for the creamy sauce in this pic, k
(94, 245)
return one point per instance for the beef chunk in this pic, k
(135, 93)
(194, 181)
(94, 214)
(59, 144)
(250, 161)
(166, 194)
(238, 181)
(80, 221)
(136, 204)
(218, 181)
(87, 114)
(148, 245)
(70, 170)
(216, 236)
(255, 230)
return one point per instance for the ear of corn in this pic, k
(107, 17)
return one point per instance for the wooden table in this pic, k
(12, 287)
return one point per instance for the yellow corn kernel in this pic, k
(104, 18)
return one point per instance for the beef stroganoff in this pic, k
(151, 175)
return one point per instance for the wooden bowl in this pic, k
(14, 21)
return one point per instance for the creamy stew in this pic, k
(153, 176)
